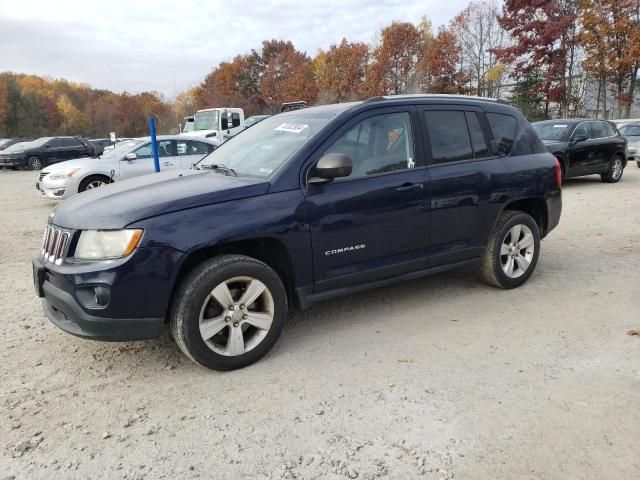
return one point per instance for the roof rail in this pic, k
(381, 98)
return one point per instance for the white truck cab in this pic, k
(216, 123)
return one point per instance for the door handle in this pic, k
(407, 187)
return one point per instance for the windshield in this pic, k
(553, 131)
(630, 131)
(206, 120)
(121, 148)
(260, 150)
(189, 125)
(40, 141)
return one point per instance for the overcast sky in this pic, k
(138, 45)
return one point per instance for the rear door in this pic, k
(372, 224)
(469, 183)
(602, 147)
(192, 151)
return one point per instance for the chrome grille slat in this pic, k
(54, 245)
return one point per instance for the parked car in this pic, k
(7, 142)
(45, 151)
(130, 158)
(585, 147)
(631, 132)
(304, 206)
(99, 145)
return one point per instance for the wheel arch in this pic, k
(266, 249)
(536, 207)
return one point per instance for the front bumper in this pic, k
(56, 190)
(12, 162)
(138, 292)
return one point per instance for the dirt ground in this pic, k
(438, 378)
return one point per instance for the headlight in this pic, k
(107, 244)
(64, 174)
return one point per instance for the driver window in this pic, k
(582, 129)
(379, 144)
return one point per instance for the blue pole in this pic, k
(154, 143)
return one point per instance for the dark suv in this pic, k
(44, 151)
(585, 147)
(303, 206)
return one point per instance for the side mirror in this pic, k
(331, 166)
(130, 156)
(580, 137)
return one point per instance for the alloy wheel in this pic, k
(236, 316)
(616, 170)
(516, 251)
(94, 184)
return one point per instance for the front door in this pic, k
(372, 224)
(579, 153)
(143, 163)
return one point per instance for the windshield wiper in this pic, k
(221, 168)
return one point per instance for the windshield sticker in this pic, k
(291, 127)
(560, 126)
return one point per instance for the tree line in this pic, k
(548, 57)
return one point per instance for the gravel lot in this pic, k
(438, 378)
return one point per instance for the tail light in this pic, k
(558, 168)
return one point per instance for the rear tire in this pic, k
(615, 170)
(91, 182)
(34, 163)
(211, 323)
(511, 255)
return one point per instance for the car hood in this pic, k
(85, 162)
(122, 203)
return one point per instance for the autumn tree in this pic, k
(340, 71)
(611, 38)
(438, 70)
(545, 40)
(288, 75)
(393, 70)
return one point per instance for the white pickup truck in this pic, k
(216, 123)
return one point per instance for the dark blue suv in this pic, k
(304, 206)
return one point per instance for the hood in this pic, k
(17, 148)
(122, 203)
(85, 162)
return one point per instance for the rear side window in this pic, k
(503, 128)
(69, 142)
(610, 129)
(598, 130)
(448, 135)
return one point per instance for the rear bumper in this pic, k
(65, 313)
(554, 210)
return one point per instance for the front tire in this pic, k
(511, 255)
(91, 182)
(615, 170)
(34, 163)
(228, 312)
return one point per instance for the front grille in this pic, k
(54, 245)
